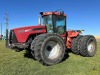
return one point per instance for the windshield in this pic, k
(59, 22)
(55, 23)
(47, 20)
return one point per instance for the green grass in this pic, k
(15, 63)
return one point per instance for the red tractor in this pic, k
(48, 43)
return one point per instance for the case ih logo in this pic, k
(33, 29)
(28, 30)
(21, 31)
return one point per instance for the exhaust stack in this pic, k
(39, 20)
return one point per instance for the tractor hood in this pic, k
(23, 33)
(29, 28)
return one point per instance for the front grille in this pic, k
(12, 37)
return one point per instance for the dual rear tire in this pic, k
(88, 46)
(84, 45)
(75, 44)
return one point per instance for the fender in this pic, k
(71, 35)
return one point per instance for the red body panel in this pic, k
(70, 35)
(23, 33)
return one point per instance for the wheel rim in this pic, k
(91, 46)
(52, 50)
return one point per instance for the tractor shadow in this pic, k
(66, 56)
(28, 55)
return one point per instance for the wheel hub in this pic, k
(91, 47)
(49, 48)
(52, 50)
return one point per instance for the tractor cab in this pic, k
(55, 22)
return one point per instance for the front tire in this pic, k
(49, 49)
(88, 46)
(34, 43)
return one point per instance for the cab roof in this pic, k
(51, 13)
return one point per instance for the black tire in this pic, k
(33, 44)
(75, 44)
(88, 46)
(28, 49)
(45, 45)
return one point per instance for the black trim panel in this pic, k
(38, 28)
(12, 37)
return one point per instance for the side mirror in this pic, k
(41, 13)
